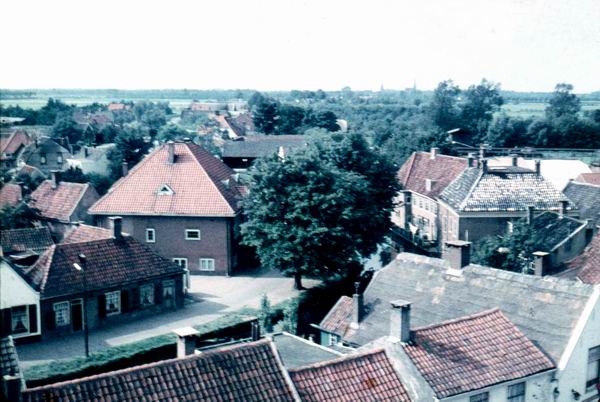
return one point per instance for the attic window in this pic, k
(165, 190)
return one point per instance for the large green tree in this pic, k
(479, 105)
(563, 102)
(443, 108)
(322, 209)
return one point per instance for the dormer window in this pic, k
(165, 190)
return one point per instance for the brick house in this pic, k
(483, 200)
(46, 155)
(62, 203)
(182, 202)
(423, 177)
(120, 279)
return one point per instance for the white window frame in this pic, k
(165, 190)
(209, 263)
(66, 320)
(148, 288)
(181, 261)
(25, 321)
(333, 339)
(516, 398)
(152, 238)
(110, 295)
(59, 158)
(188, 231)
(478, 397)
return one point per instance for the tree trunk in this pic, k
(298, 281)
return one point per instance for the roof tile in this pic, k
(442, 170)
(58, 203)
(19, 240)
(10, 194)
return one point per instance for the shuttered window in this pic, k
(593, 369)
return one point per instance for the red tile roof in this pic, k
(10, 194)
(83, 232)
(246, 372)
(586, 266)
(14, 142)
(60, 202)
(19, 240)
(110, 263)
(339, 317)
(358, 377)
(589, 178)
(202, 185)
(474, 352)
(442, 170)
(116, 106)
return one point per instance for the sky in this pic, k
(526, 45)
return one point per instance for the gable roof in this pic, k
(246, 372)
(45, 145)
(202, 186)
(366, 376)
(586, 197)
(420, 166)
(586, 266)
(10, 194)
(110, 263)
(19, 240)
(551, 229)
(474, 352)
(256, 146)
(501, 189)
(545, 309)
(13, 143)
(58, 203)
(82, 232)
(589, 178)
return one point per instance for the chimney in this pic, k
(400, 320)
(434, 152)
(186, 341)
(541, 264)
(530, 211)
(171, 149)
(458, 253)
(514, 160)
(429, 184)
(357, 307)
(563, 208)
(255, 330)
(470, 159)
(54, 178)
(484, 165)
(482, 151)
(537, 166)
(117, 227)
(125, 168)
(11, 388)
(86, 152)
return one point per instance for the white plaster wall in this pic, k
(14, 291)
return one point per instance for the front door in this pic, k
(76, 315)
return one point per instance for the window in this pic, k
(43, 159)
(147, 295)
(150, 236)
(483, 397)
(59, 158)
(19, 320)
(168, 293)
(516, 392)
(593, 369)
(333, 339)
(165, 190)
(207, 264)
(62, 313)
(192, 234)
(182, 262)
(113, 303)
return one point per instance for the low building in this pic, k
(585, 197)
(299, 352)
(12, 147)
(11, 195)
(62, 204)
(560, 316)
(241, 153)
(93, 159)
(24, 246)
(182, 202)
(46, 155)
(114, 280)
(585, 267)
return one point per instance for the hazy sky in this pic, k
(281, 44)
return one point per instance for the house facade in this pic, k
(183, 203)
(46, 155)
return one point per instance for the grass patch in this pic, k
(145, 351)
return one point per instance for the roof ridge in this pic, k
(339, 360)
(410, 167)
(463, 203)
(462, 319)
(44, 280)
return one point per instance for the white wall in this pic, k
(14, 291)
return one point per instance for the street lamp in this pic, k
(81, 268)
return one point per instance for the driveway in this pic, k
(209, 298)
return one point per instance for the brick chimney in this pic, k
(563, 208)
(514, 160)
(171, 150)
(125, 168)
(458, 253)
(538, 168)
(117, 227)
(54, 178)
(470, 159)
(541, 263)
(11, 387)
(400, 320)
(186, 341)
(357, 307)
(530, 211)
(434, 152)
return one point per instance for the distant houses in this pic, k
(242, 153)
(46, 155)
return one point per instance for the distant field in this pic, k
(537, 109)
(38, 103)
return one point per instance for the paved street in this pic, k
(210, 298)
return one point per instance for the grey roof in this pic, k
(545, 309)
(587, 199)
(297, 352)
(255, 146)
(501, 190)
(9, 360)
(551, 229)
